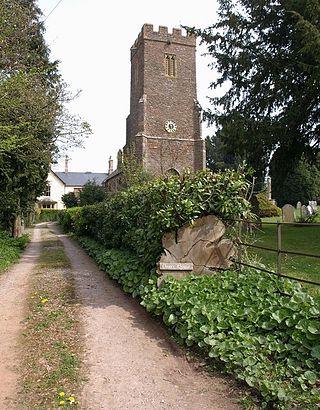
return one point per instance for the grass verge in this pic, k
(51, 342)
(10, 249)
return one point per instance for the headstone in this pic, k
(304, 212)
(269, 188)
(299, 204)
(313, 205)
(310, 210)
(288, 213)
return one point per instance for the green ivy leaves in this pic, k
(264, 336)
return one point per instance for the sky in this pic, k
(89, 37)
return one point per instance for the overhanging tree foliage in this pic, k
(92, 193)
(267, 54)
(32, 114)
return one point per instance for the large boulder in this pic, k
(200, 244)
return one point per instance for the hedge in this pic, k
(136, 219)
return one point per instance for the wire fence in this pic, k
(251, 226)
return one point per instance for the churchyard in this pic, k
(295, 238)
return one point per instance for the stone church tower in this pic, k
(163, 128)
(164, 123)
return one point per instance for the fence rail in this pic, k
(278, 250)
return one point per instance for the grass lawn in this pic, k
(304, 239)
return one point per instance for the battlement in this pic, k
(148, 33)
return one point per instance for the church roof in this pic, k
(81, 178)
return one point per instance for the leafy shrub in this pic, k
(137, 218)
(70, 200)
(67, 218)
(11, 248)
(92, 193)
(262, 207)
(47, 215)
(264, 329)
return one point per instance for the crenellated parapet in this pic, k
(176, 36)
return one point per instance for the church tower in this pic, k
(163, 126)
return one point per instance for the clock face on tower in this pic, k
(170, 126)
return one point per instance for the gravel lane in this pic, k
(13, 300)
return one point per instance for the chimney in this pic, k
(66, 164)
(110, 165)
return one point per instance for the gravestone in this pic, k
(269, 197)
(299, 205)
(288, 213)
(313, 205)
(304, 212)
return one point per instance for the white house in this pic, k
(60, 183)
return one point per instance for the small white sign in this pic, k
(175, 266)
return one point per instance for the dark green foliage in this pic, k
(91, 194)
(137, 218)
(262, 207)
(10, 249)
(302, 184)
(217, 156)
(28, 85)
(70, 200)
(264, 330)
(67, 218)
(267, 55)
(32, 115)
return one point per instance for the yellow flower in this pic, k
(62, 394)
(44, 300)
(61, 403)
(71, 399)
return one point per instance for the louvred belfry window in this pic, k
(171, 65)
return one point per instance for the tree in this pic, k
(217, 156)
(267, 54)
(302, 184)
(92, 193)
(32, 112)
(70, 200)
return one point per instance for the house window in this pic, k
(47, 191)
(171, 65)
(47, 206)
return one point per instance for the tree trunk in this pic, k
(17, 227)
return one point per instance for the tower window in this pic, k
(171, 65)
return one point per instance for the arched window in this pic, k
(172, 172)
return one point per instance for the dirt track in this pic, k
(130, 360)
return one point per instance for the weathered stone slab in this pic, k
(288, 213)
(200, 245)
(304, 212)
